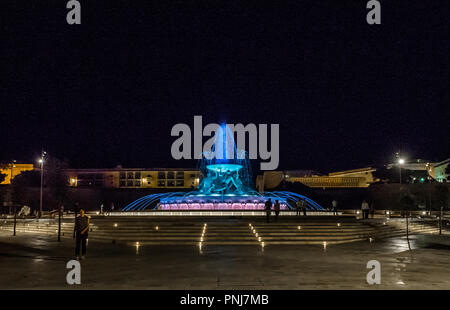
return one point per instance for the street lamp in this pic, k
(13, 165)
(401, 161)
(15, 211)
(41, 162)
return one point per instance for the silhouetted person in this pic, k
(365, 209)
(298, 206)
(268, 208)
(277, 210)
(334, 207)
(372, 209)
(81, 230)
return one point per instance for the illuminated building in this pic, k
(438, 171)
(134, 178)
(356, 178)
(441, 171)
(14, 169)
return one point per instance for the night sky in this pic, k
(107, 92)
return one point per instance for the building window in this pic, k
(129, 183)
(130, 175)
(137, 175)
(161, 183)
(180, 182)
(122, 175)
(137, 183)
(170, 175)
(161, 175)
(170, 183)
(122, 183)
(180, 175)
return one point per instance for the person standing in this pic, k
(268, 207)
(81, 230)
(334, 208)
(298, 206)
(365, 209)
(277, 210)
(372, 209)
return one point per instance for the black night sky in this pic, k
(107, 92)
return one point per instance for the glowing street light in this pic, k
(41, 162)
(401, 161)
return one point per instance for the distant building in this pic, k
(357, 178)
(134, 178)
(12, 170)
(414, 165)
(441, 171)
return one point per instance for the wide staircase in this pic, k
(243, 231)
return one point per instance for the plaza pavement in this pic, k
(39, 262)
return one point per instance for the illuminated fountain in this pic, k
(226, 185)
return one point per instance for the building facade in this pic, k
(441, 171)
(12, 170)
(172, 178)
(357, 178)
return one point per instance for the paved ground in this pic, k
(29, 262)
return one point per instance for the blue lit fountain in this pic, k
(226, 184)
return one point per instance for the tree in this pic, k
(441, 194)
(2, 177)
(56, 180)
(407, 202)
(55, 183)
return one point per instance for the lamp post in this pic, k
(15, 211)
(401, 161)
(13, 165)
(41, 161)
(10, 182)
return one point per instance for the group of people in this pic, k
(300, 206)
(366, 209)
(268, 208)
